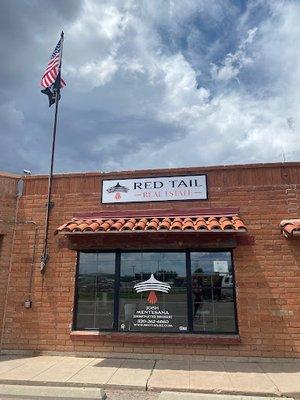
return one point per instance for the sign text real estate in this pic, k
(161, 188)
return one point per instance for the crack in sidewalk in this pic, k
(150, 375)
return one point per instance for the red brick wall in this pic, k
(267, 273)
(7, 220)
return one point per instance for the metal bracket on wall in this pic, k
(51, 204)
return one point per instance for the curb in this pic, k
(52, 392)
(203, 396)
(209, 394)
(11, 382)
(219, 393)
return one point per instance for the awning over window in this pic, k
(290, 227)
(155, 229)
(156, 221)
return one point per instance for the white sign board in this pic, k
(221, 266)
(161, 188)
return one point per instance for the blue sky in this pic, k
(151, 84)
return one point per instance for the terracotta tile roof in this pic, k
(290, 227)
(232, 223)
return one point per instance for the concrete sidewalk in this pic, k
(247, 378)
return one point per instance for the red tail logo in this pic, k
(152, 298)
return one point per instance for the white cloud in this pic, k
(131, 52)
(231, 125)
(100, 72)
(98, 19)
(234, 62)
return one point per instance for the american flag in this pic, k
(52, 69)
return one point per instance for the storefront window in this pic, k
(151, 310)
(159, 291)
(95, 291)
(212, 292)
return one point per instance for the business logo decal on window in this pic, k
(152, 315)
(152, 285)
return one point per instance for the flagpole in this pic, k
(49, 205)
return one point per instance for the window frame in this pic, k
(187, 252)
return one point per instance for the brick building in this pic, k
(191, 261)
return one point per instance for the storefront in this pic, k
(158, 291)
(198, 261)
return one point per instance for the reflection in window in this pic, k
(161, 291)
(212, 292)
(95, 291)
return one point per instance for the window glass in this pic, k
(95, 291)
(212, 292)
(153, 292)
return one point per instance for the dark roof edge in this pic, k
(160, 171)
